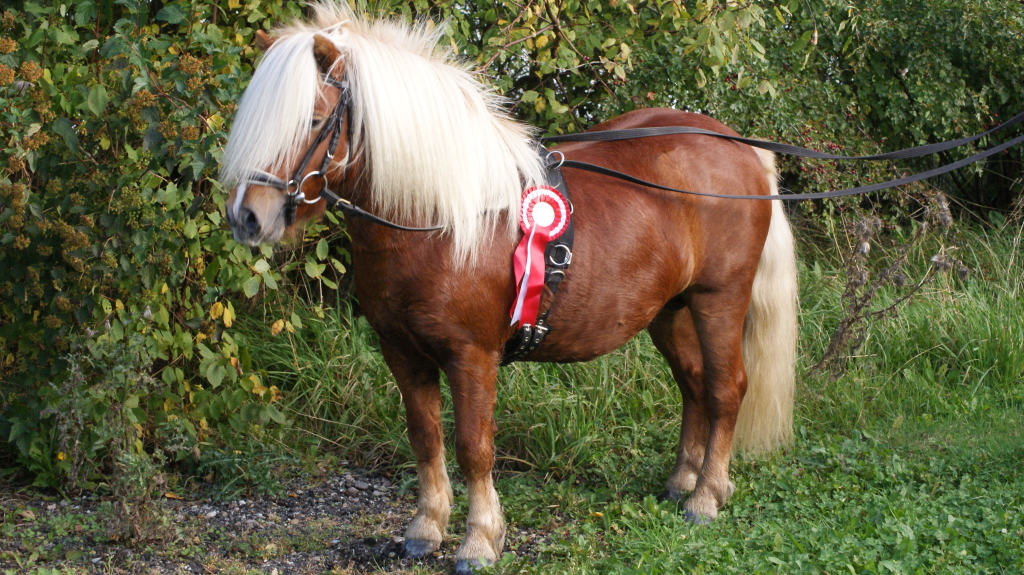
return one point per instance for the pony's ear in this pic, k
(264, 40)
(326, 54)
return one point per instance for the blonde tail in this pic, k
(770, 332)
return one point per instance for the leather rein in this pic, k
(633, 133)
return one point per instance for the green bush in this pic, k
(116, 266)
(858, 78)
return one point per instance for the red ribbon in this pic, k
(528, 260)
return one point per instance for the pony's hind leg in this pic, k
(472, 376)
(418, 380)
(675, 337)
(718, 319)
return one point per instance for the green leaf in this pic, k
(702, 80)
(85, 11)
(251, 286)
(172, 14)
(253, 412)
(215, 374)
(269, 280)
(73, 554)
(314, 269)
(62, 36)
(802, 42)
(321, 249)
(35, 38)
(63, 127)
(275, 414)
(97, 100)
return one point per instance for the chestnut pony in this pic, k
(424, 143)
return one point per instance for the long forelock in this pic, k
(274, 117)
(438, 145)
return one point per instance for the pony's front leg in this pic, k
(417, 379)
(472, 375)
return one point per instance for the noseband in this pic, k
(295, 197)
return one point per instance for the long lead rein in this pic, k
(633, 133)
(790, 197)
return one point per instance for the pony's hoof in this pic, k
(469, 566)
(417, 548)
(670, 495)
(698, 519)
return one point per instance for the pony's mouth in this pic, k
(245, 234)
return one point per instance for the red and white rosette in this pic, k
(543, 216)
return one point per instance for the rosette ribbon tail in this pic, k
(528, 264)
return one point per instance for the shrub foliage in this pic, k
(111, 230)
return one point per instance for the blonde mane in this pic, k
(438, 145)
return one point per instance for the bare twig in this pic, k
(561, 34)
(491, 60)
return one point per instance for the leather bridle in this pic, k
(332, 128)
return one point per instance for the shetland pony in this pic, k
(424, 143)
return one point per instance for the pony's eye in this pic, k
(316, 123)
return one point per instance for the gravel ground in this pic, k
(350, 522)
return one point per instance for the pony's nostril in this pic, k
(250, 221)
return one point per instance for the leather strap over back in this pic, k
(614, 135)
(632, 133)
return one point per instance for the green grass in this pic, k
(910, 462)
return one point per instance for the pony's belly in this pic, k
(586, 336)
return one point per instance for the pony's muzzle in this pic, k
(246, 227)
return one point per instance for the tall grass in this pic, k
(953, 353)
(554, 418)
(950, 355)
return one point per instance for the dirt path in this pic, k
(348, 523)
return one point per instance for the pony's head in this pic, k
(279, 157)
(421, 140)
